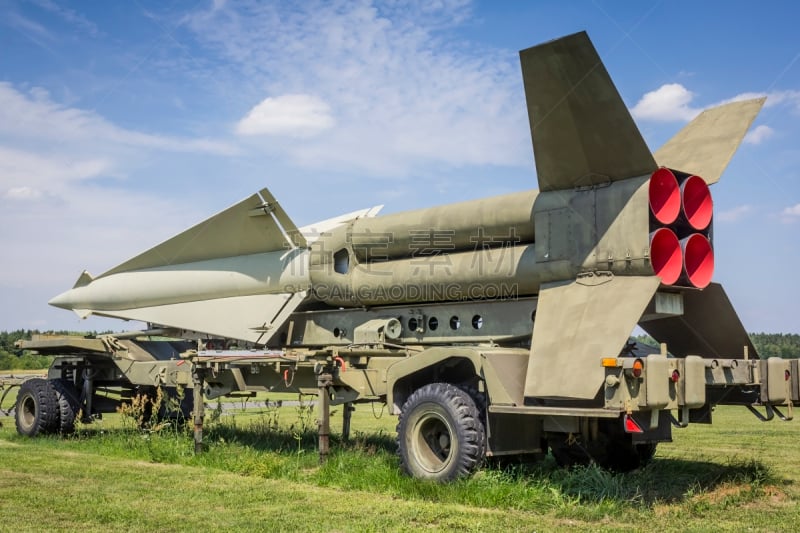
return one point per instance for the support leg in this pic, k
(198, 410)
(323, 382)
(347, 415)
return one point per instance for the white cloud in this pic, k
(22, 169)
(35, 116)
(734, 214)
(788, 98)
(791, 214)
(403, 95)
(673, 102)
(668, 103)
(293, 115)
(23, 193)
(759, 134)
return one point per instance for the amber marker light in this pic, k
(637, 368)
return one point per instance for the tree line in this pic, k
(784, 345)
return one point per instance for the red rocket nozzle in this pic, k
(698, 260)
(696, 202)
(666, 257)
(665, 196)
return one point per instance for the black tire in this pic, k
(36, 411)
(613, 449)
(68, 405)
(440, 435)
(480, 404)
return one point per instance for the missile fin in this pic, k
(578, 322)
(83, 313)
(283, 219)
(83, 280)
(582, 131)
(232, 232)
(709, 327)
(706, 145)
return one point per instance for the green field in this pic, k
(261, 472)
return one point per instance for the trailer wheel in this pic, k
(68, 405)
(440, 435)
(36, 411)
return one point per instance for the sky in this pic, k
(123, 123)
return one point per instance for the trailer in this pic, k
(457, 404)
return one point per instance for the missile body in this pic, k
(500, 247)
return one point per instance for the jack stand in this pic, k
(347, 414)
(198, 410)
(324, 381)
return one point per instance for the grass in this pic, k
(261, 471)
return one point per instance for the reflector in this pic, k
(631, 426)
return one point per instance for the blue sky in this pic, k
(123, 123)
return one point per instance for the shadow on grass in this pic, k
(368, 461)
(663, 481)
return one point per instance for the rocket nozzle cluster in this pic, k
(681, 212)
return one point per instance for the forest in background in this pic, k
(785, 345)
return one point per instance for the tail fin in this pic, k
(705, 145)
(577, 323)
(582, 131)
(709, 326)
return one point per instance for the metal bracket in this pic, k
(771, 412)
(683, 419)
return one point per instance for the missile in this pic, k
(611, 225)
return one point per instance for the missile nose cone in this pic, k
(70, 300)
(65, 300)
